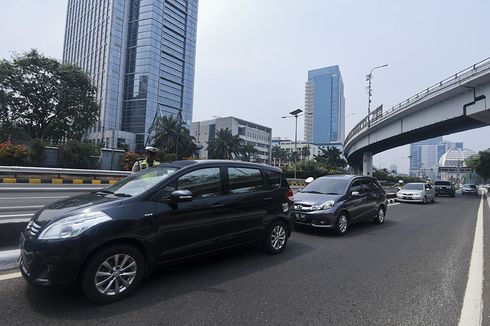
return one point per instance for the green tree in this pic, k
(224, 145)
(46, 99)
(480, 163)
(332, 157)
(247, 151)
(279, 154)
(171, 136)
(77, 154)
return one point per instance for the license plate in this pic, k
(406, 197)
(300, 216)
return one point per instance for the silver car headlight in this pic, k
(73, 226)
(326, 205)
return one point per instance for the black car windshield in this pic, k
(442, 183)
(327, 186)
(414, 186)
(142, 181)
(470, 186)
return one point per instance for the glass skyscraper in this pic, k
(325, 107)
(140, 55)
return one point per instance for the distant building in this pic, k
(325, 107)
(425, 155)
(453, 164)
(140, 56)
(249, 132)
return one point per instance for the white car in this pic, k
(416, 192)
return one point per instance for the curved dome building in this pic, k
(455, 157)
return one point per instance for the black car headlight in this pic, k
(73, 226)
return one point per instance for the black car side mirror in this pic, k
(180, 196)
(355, 194)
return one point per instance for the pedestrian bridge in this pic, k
(457, 103)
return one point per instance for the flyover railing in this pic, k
(447, 82)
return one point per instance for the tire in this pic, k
(433, 199)
(425, 200)
(380, 217)
(123, 259)
(342, 224)
(276, 238)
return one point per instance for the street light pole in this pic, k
(295, 114)
(368, 79)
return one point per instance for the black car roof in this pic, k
(345, 176)
(184, 163)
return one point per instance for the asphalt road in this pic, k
(412, 270)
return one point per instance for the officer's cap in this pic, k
(151, 149)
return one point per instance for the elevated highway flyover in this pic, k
(458, 103)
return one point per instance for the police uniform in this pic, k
(144, 164)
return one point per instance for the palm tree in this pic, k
(224, 145)
(172, 137)
(247, 151)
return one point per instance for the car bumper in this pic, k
(472, 193)
(446, 192)
(49, 264)
(315, 219)
(412, 200)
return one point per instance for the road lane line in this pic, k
(471, 313)
(16, 215)
(10, 276)
(21, 207)
(23, 198)
(394, 204)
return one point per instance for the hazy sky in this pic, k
(253, 55)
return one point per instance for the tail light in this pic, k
(290, 194)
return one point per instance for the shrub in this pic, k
(128, 159)
(76, 154)
(11, 154)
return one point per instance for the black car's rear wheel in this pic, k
(112, 274)
(380, 217)
(342, 224)
(276, 238)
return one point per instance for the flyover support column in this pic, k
(367, 163)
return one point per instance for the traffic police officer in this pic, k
(148, 162)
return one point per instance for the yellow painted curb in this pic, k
(9, 180)
(77, 181)
(112, 182)
(57, 181)
(96, 182)
(34, 180)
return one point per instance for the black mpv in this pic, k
(107, 240)
(337, 201)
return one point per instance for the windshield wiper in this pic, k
(121, 194)
(330, 193)
(312, 192)
(104, 191)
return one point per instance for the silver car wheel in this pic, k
(115, 274)
(278, 237)
(342, 223)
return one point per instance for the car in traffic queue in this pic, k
(337, 201)
(106, 241)
(418, 192)
(446, 188)
(469, 189)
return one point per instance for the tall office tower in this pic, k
(325, 107)
(140, 55)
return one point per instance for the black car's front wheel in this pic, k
(380, 217)
(112, 274)
(276, 238)
(342, 224)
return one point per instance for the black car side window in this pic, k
(274, 179)
(243, 180)
(202, 182)
(366, 187)
(355, 186)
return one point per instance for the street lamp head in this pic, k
(296, 112)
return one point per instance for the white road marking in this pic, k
(471, 313)
(16, 215)
(394, 204)
(23, 198)
(10, 276)
(21, 207)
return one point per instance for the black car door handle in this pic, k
(268, 198)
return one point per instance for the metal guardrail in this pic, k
(18, 170)
(451, 80)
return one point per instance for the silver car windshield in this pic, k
(142, 181)
(414, 186)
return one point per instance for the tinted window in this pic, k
(355, 186)
(366, 186)
(326, 186)
(274, 179)
(414, 186)
(243, 180)
(442, 183)
(202, 183)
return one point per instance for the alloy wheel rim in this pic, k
(115, 274)
(342, 223)
(381, 215)
(278, 237)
